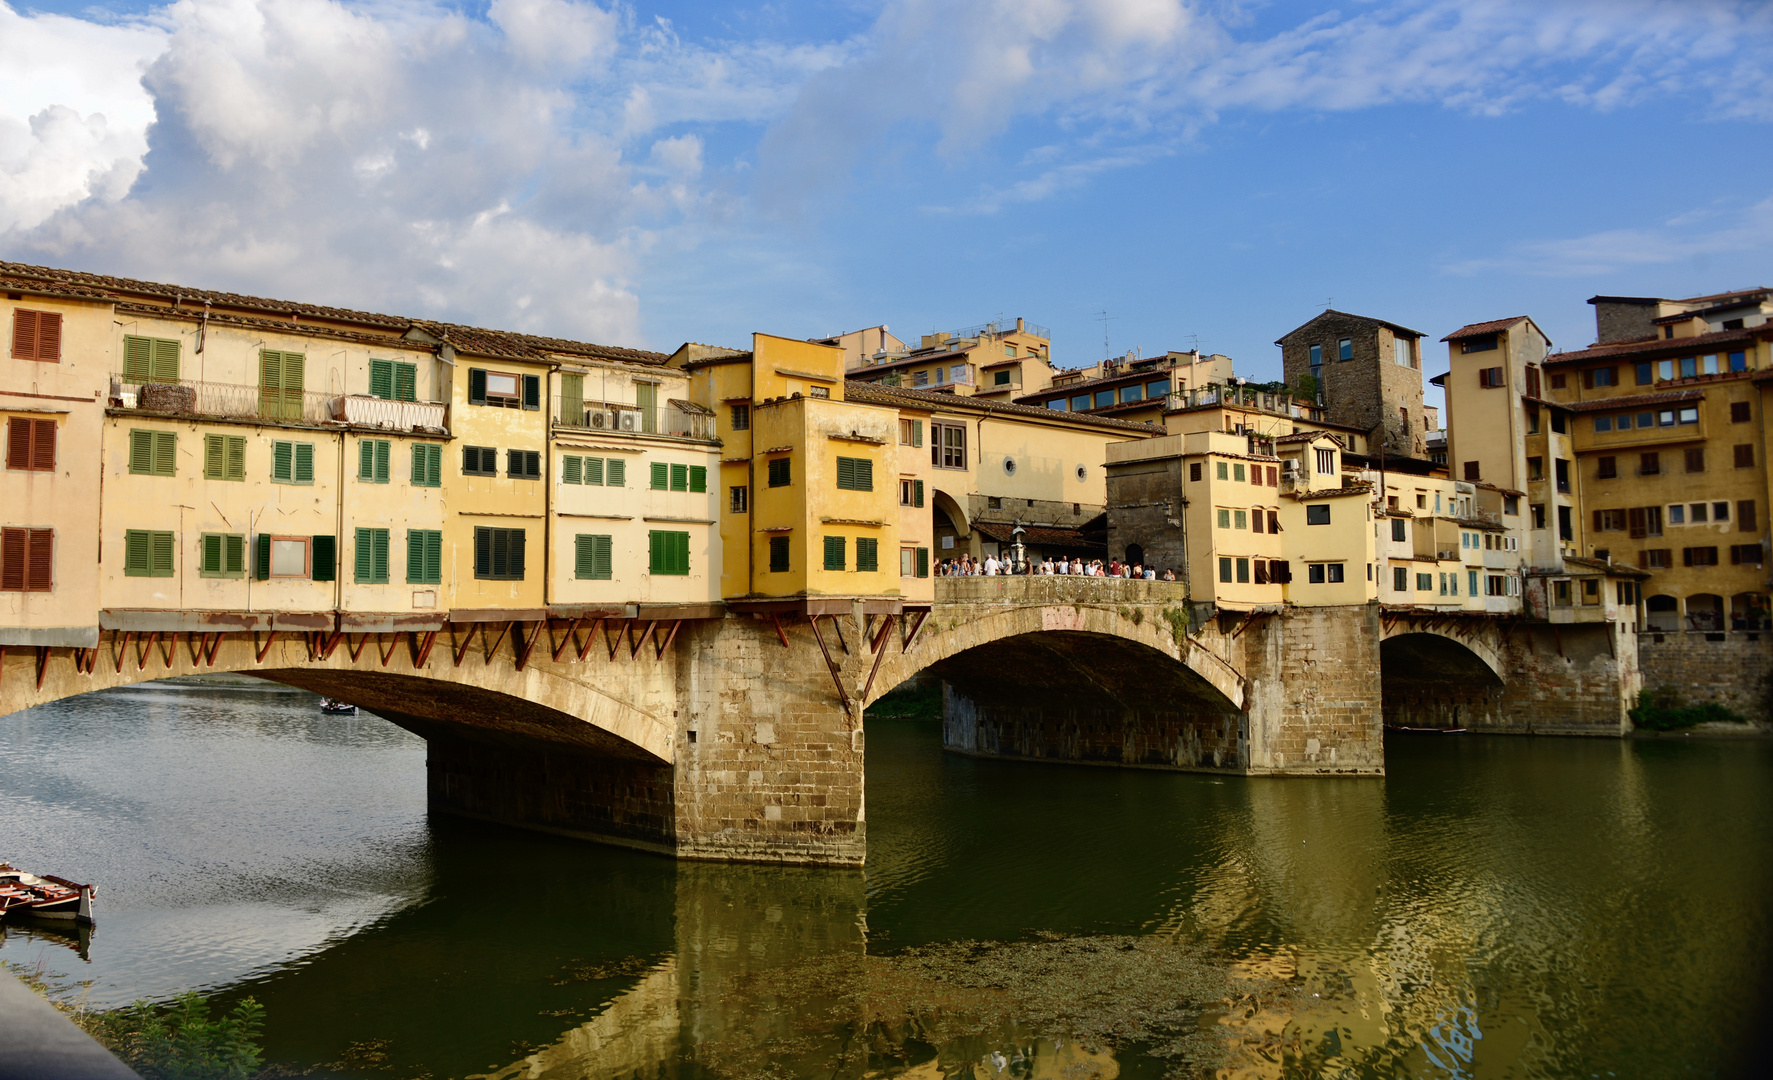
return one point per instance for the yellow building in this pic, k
(1138, 388)
(991, 360)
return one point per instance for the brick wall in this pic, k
(1566, 680)
(1146, 497)
(1366, 391)
(1198, 739)
(1732, 667)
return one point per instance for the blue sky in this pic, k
(651, 173)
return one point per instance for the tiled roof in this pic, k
(1612, 568)
(1715, 298)
(1394, 327)
(1307, 436)
(875, 394)
(1481, 329)
(74, 282)
(1649, 346)
(1362, 488)
(909, 361)
(1630, 401)
(1101, 382)
(511, 345)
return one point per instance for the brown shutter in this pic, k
(24, 334)
(1597, 521)
(18, 444)
(1745, 515)
(12, 560)
(42, 560)
(1635, 522)
(49, 335)
(43, 445)
(1532, 381)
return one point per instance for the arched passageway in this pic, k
(1429, 680)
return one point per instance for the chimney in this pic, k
(1019, 326)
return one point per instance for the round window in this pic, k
(1009, 466)
(1083, 472)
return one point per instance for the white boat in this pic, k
(45, 897)
(337, 708)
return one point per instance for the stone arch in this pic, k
(1435, 680)
(1482, 643)
(945, 506)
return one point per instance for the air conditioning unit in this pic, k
(627, 423)
(598, 418)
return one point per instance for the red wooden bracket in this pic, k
(647, 633)
(879, 655)
(591, 633)
(42, 663)
(837, 625)
(355, 648)
(777, 621)
(621, 629)
(462, 649)
(572, 630)
(669, 638)
(836, 672)
(328, 645)
(916, 629)
(168, 646)
(886, 627)
(492, 650)
(269, 640)
(392, 641)
(143, 648)
(120, 646)
(530, 645)
(422, 653)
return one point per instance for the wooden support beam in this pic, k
(621, 626)
(591, 633)
(328, 645)
(270, 639)
(391, 641)
(491, 650)
(42, 663)
(635, 649)
(529, 646)
(119, 646)
(676, 625)
(424, 643)
(776, 620)
(168, 646)
(880, 637)
(355, 648)
(879, 655)
(572, 630)
(143, 648)
(836, 672)
(916, 629)
(461, 649)
(837, 625)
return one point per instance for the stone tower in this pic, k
(1369, 376)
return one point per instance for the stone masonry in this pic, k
(1367, 391)
(1731, 667)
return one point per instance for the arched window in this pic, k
(1705, 612)
(1749, 611)
(1662, 613)
(1135, 555)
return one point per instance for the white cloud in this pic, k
(1696, 234)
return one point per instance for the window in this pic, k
(224, 457)
(948, 446)
(911, 431)
(292, 462)
(741, 416)
(1326, 461)
(920, 378)
(615, 472)
(1256, 520)
(221, 555)
(825, 391)
(1566, 523)
(1656, 559)
(1603, 423)
(1560, 592)
(1156, 390)
(1699, 556)
(1400, 351)
(581, 470)
(778, 554)
(1695, 459)
(1237, 472)
(1104, 398)
(1345, 349)
(1535, 468)
(37, 335)
(372, 557)
(427, 465)
(1243, 571)
(27, 559)
(30, 444)
(424, 557)
(1699, 512)
(1745, 456)
(1609, 521)
(480, 461)
(153, 453)
(1664, 369)
(1486, 343)
(1324, 573)
(1601, 377)
(1739, 412)
(738, 499)
(1745, 555)
(1317, 356)
(1080, 402)
(1058, 404)
(1561, 468)
(1606, 468)
(1194, 472)
(1689, 414)
(287, 557)
(1739, 361)
(1240, 520)
(1689, 366)
(393, 380)
(1131, 393)
(1745, 515)
(855, 474)
(1225, 569)
(1558, 423)
(1644, 521)
(372, 460)
(150, 360)
(523, 464)
(1222, 470)
(911, 493)
(1649, 464)
(1643, 374)
(867, 555)
(834, 552)
(780, 472)
(1400, 529)
(1538, 512)
(1001, 378)
(1677, 514)
(280, 384)
(660, 473)
(1490, 378)
(1400, 579)
(1472, 470)
(504, 390)
(1224, 518)
(1317, 514)
(498, 554)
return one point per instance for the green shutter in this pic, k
(381, 378)
(867, 554)
(418, 464)
(434, 467)
(594, 471)
(372, 557)
(325, 550)
(365, 562)
(655, 548)
(600, 565)
(583, 559)
(141, 452)
(304, 463)
(682, 552)
(366, 459)
(923, 562)
(917, 433)
(234, 554)
(165, 367)
(698, 478)
(136, 560)
(384, 450)
(406, 381)
(778, 554)
(281, 455)
(262, 558)
(215, 457)
(166, 446)
(162, 554)
(209, 553)
(381, 543)
(917, 493)
(572, 470)
(572, 400)
(236, 457)
(679, 478)
(532, 391)
(415, 556)
(846, 473)
(138, 359)
(616, 473)
(834, 552)
(280, 384)
(434, 555)
(661, 476)
(476, 386)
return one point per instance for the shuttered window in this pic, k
(923, 562)
(523, 464)
(372, 557)
(36, 335)
(867, 554)
(668, 552)
(153, 453)
(427, 465)
(591, 557)
(30, 444)
(424, 557)
(287, 557)
(324, 554)
(781, 472)
(572, 400)
(698, 478)
(221, 555)
(615, 472)
(372, 460)
(147, 554)
(150, 360)
(27, 559)
(778, 554)
(224, 457)
(480, 461)
(661, 476)
(572, 470)
(680, 478)
(498, 554)
(855, 474)
(393, 380)
(280, 384)
(834, 553)
(292, 462)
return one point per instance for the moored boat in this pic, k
(337, 708)
(44, 897)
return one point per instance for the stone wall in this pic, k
(1147, 500)
(1567, 680)
(1313, 697)
(1733, 668)
(1366, 391)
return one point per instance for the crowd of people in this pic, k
(992, 566)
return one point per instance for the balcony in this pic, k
(192, 397)
(676, 419)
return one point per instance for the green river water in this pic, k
(1493, 907)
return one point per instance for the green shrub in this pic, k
(1660, 709)
(180, 1041)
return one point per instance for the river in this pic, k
(1494, 907)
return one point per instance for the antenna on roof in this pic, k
(1329, 302)
(1106, 319)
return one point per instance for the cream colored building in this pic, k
(992, 360)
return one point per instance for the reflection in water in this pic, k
(1493, 908)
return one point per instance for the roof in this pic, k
(1655, 346)
(511, 345)
(1045, 536)
(1307, 436)
(909, 361)
(1633, 400)
(1393, 327)
(1151, 374)
(875, 394)
(1619, 569)
(1361, 488)
(1484, 329)
(106, 287)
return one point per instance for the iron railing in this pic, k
(680, 420)
(190, 397)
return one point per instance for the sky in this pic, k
(1201, 172)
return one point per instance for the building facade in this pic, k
(1368, 375)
